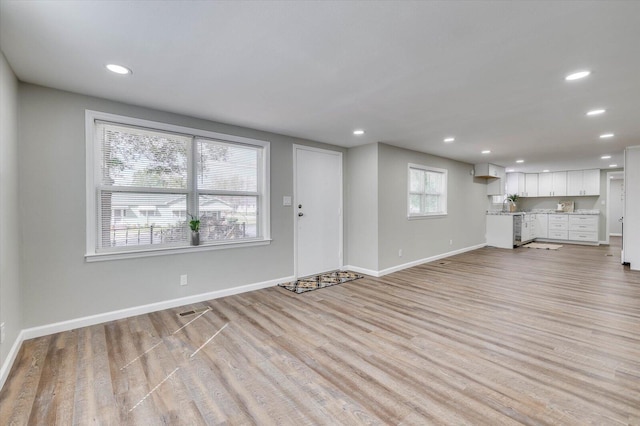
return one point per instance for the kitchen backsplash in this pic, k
(550, 203)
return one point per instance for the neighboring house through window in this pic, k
(165, 174)
(427, 192)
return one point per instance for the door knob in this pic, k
(300, 214)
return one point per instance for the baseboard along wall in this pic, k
(33, 332)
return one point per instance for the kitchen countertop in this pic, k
(499, 213)
(543, 211)
(580, 211)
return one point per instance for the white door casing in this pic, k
(317, 210)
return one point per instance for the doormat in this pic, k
(315, 282)
(543, 246)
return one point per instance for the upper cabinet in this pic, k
(556, 184)
(583, 182)
(495, 186)
(531, 184)
(515, 184)
(525, 185)
(552, 184)
(495, 176)
(487, 170)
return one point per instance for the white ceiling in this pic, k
(409, 73)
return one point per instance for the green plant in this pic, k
(513, 198)
(194, 223)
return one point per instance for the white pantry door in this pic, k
(317, 210)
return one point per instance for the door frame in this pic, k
(297, 147)
(609, 176)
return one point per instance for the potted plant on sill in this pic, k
(513, 200)
(194, 224)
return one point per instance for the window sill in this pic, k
(131, 254)
(426, 216)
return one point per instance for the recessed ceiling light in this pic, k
(545, 171)
(486, 151)
(596, 111)
(519, 161)
(358, 132)
(577, 75)
(606, 135)
(613, 165)
(605, 157)
(450, 139)
(511, 170)
(118, 69)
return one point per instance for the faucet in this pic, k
(503, 209)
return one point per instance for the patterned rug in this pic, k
(315, 282)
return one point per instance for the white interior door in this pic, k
(318, 210)
(616, 200)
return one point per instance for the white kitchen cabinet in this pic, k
(500, 231)
(515, 184)
(591, 181)
(531, 184)
(558, 228)
(552, 184)
(583, 182)
(487, 170)
(583, 228)
(542, 225)
(496, 185)
(528, 232)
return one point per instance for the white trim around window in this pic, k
(247, 187)
(426, 191)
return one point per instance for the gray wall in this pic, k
(421, 238)
(57, 283)
(362, 206)
(10, 312)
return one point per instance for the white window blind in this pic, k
(228, 181)
(427, 191)
(148, 183)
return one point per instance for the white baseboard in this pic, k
(33, 332)
(11, 357)
(58, 327)
(361, 270)
(413, 263)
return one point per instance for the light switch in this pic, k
(286, 200)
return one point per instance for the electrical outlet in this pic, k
(450, 242)
(2, 333)
(183, 279)
(399, 252)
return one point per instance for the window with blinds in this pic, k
(148, 182)
(427, 191)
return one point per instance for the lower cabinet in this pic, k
(572, 227)
(507, 231)
(558, 227)
(542, 225)
(583, 228)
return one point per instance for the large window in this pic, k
(427, 191)
(146, 180)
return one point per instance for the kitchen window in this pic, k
(427, 194)
(165, 175)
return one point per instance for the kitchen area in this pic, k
(511, 230)
(559, 207)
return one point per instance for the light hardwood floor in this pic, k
(489, 337)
